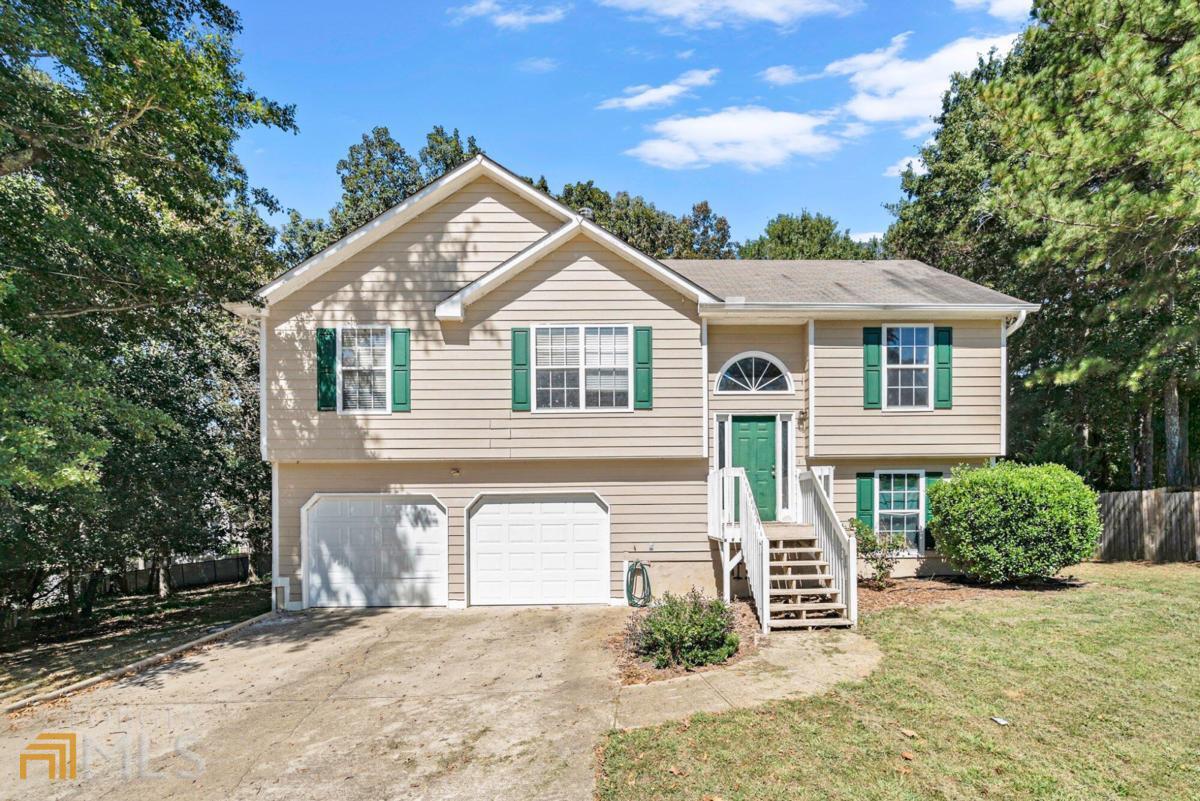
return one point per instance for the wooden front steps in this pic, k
(801, 591)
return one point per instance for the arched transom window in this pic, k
(754, 372)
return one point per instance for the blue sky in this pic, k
(758, 106)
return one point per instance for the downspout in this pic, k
(1017, 323)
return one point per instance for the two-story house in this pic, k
(482, 397)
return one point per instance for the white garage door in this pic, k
(376, 550)
(539, 550)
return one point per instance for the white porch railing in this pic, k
(746, 530)
(840, 549)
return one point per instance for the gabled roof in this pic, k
(453, 307)
(851, 285)
(480, 166)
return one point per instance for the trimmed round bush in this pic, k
(1012, 522)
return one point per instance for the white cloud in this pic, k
(715, 13)
(853, 130)
(784, 75)
(889, 88)
(646, 96)
(867, 236)
(684, 55)
(506, 16)
(897, 169)
(751, 137)
(1009, 10)
(919, 129)
(537, 65)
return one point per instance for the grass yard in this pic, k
(1100, 685)
(49, 652)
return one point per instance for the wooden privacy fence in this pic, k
(1158, 525)
(190, 574)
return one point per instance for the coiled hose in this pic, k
(637, 569)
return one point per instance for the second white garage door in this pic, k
(539, 550)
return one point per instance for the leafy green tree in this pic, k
(125, 220)
(805, 236)
(1032, 165)
(376, 174)
(1101, 138)
(706, 235)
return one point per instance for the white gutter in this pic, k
(831, 310)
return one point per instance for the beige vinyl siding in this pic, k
(789, 345)
(461, 372)
(844, 428)
(657, 508)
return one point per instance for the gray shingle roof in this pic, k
(834, 281)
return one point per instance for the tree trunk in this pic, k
(36, 577)
(1146, 462)
(88, 600)
(1185, 434)
(71, 605)
(165, 587)
(1174, 452)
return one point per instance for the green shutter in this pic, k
(864, 506)
(943, 362)
(930, 480)
(520, 369)
(401, 370)
(643, 368)
(326, 369)
(872, 368)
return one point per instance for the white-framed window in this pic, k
(582, 367)
(907, 367)
(754, 371)
(900, 506)
(363, 356)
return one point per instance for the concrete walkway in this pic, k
(792, 664)
(414, 704)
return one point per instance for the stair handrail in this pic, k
(839, 546)
(756, 552)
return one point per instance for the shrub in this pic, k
(881, 552)
(689, 630)
(1011, 522)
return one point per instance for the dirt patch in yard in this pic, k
(635, 670)
(945, 589)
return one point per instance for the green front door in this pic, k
(754, 449)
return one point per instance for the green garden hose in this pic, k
(637, 568)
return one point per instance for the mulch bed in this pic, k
(943, 589)
(635, 670)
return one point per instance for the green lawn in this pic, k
(1100, 685)
(49, 651)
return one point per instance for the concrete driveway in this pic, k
(393, 704)
(429, 704)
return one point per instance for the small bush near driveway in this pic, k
(689, 630)
(1011, 522)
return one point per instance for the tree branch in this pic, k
(62, 314)
(22, 159)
